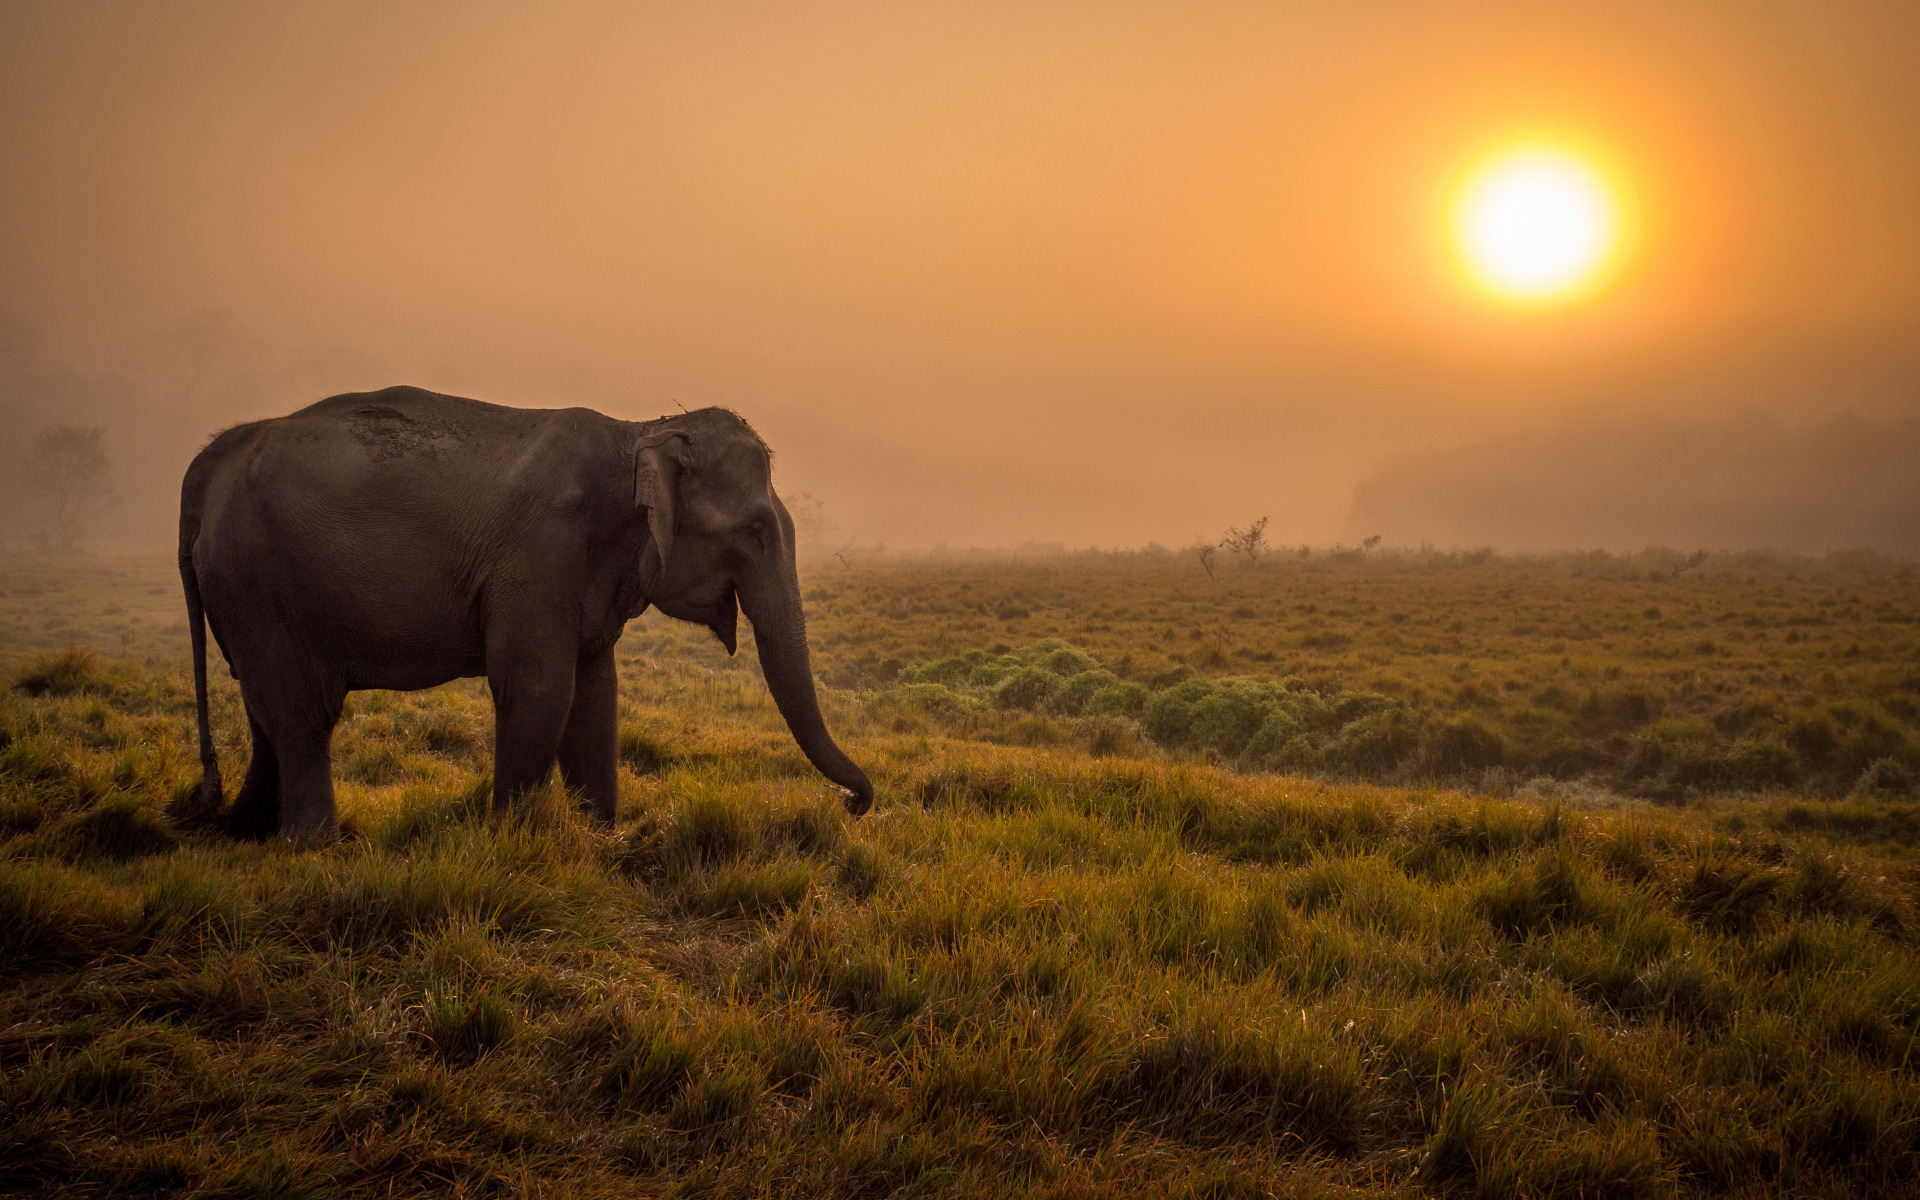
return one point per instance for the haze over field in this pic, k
(986, 274)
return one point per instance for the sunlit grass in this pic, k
(1031, 970)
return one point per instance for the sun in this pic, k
(1539, 226)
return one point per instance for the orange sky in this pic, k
(982, 273)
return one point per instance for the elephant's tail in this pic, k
(209, 793)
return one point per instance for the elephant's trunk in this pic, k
(780, 634)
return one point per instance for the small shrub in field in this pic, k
(1759, 763)
(1557, 890)
(1614, 709)
(1460, 747)
(1677, 754)
(1471, 1138)
(1373, 745)
(1026, 689)
(193, 901)
(67, 673)
(1071, 697)
(1118, 699)
(1885, 775)
(938, 700)
(816, 830)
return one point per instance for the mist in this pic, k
(986, 276)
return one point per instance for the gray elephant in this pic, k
(400, 539)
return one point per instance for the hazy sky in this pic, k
(981, 273)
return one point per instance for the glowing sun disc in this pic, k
(1538, 226)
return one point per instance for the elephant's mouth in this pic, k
(725, 622)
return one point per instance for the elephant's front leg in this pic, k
(588, 754)
(532, 695)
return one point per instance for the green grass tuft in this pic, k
(69, 672)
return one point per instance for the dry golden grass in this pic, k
(1030, 970)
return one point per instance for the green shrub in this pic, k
(1619, 708)
(1373, 745)
(1227, 716)
(1760, 763)
(938, 700)
(1026, 689)
(1081, 687)
(1888, 775)
(1125, 699)
(1677, 753)
(1168, 715)
(1813, 738)
(1461, 747)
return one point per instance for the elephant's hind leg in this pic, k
(256, 810)
(306, 778)
(294, 792)
(588, 760)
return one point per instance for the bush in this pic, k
(1609, 709)
(1168, 715)
(938, 700)
(1026, 689)
(1071, 699)
(1884, 775)
(1373, 745)
(1759, 763)
(1460, 747)
(1118, 699)
(1676, 754)
(1228, 716)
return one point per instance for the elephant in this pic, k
(400, 539)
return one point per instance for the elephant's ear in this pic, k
(657, 464)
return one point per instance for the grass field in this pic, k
(1391, 874)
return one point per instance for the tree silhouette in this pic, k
(1250, 541)
(68, 464)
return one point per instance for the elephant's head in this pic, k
(720, 536)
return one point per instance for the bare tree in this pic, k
(1689, 563)
(1251, 541)
(1368, 543)
(1204, 551)
(810, 521)
(69, 465)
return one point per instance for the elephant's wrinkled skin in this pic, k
(400, 539)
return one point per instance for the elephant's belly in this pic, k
(408, 677)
